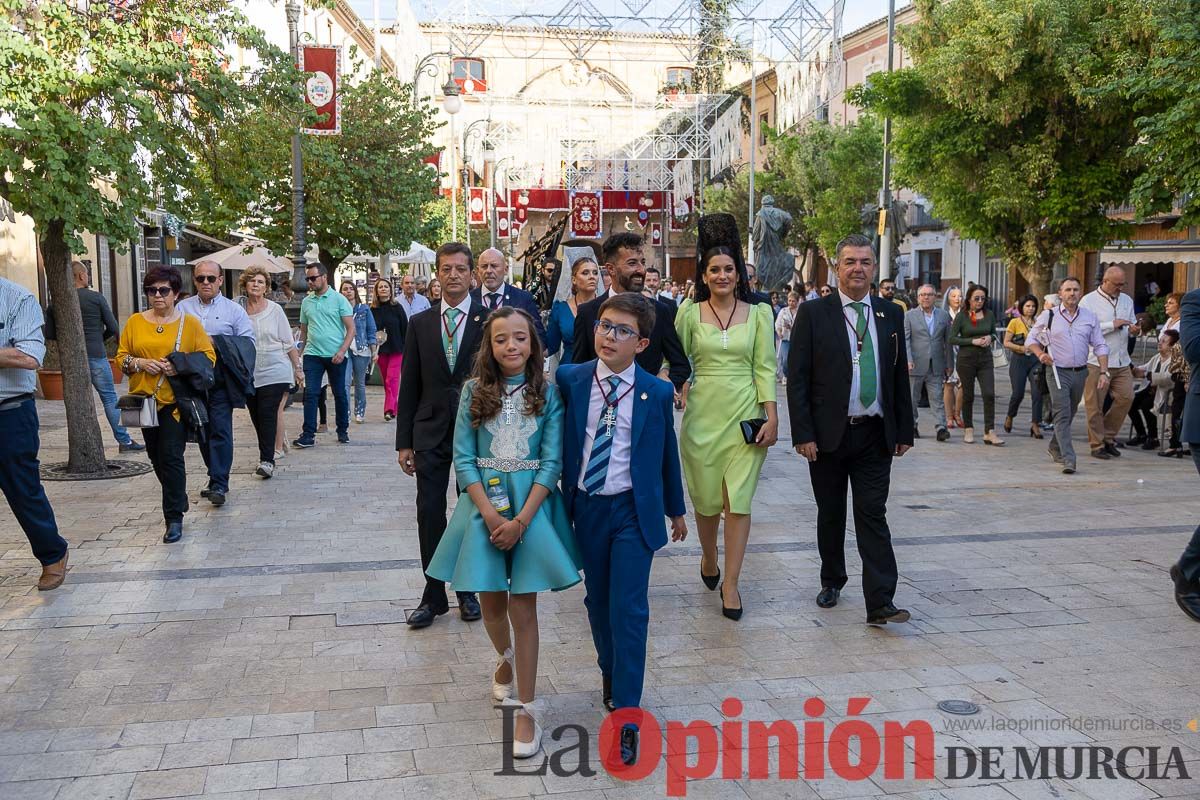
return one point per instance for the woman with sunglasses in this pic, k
(146, 341)
(972, 332)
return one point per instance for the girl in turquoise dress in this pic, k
(509, 537)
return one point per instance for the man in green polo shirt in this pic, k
(326, 331)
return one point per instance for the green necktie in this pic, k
(449, 327)
(866, 362)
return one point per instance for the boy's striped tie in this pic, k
(597, 469)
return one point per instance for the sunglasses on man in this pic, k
(206, 279)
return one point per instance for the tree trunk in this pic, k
(1039, 276)
(330, 262)
(85, 445)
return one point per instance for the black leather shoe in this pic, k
(731, 613)
(943, 435)
(629, 744)
(828, 597)
(1112, 449)
(1101, 454)
(886, 614)
(1150, 444)
(606, 693)
(1187, 596)
(710, 581)
(216, 497)
(205, 492)
(1136, 441)
(173, 533)
(424, 614)
(468, 607)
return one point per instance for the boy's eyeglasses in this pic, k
(622, 333)
(158, 291)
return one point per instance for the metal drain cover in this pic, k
(963, 708)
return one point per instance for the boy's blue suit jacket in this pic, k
(654, 470)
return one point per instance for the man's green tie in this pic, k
(866, 362)
(448, 330)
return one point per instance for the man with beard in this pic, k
(625, 263)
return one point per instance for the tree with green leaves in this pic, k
(1010, 121)
(97, 100)
(1164, 94)
(366, 190)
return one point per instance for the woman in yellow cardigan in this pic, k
(146, 341)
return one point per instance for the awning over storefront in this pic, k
(1151, 255)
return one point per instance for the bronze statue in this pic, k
(774, 264)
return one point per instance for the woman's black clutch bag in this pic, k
(750, 429)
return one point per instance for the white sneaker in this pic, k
(265, 469)
(279, 454)
(360, 418)
(503, 691)
(527, 749)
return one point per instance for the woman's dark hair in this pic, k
(1028, 299)
(163, 275)
(742, 292)
(487, 401)
(972, 289)
(1171, 334)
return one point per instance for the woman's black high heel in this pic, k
(1035, 432)
(732, 613)
(710, 581)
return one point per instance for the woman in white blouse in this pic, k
(276, 367)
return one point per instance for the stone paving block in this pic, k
(169, 783)
(126, 759)
(196, 754)
(265, 748)
(101, 787)
(241, 777)
(210, 729)
(309, 771)
(331, 743)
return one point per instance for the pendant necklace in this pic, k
(508, 408)
(160, 328)
(724, 326)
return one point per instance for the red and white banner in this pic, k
(585, 214)
(477, 207)
(322, 67)
(656, 234)
(503, 224)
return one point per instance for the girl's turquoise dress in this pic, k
(520, 450)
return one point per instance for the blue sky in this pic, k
(857, 14)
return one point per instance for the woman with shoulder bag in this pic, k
(1023, 366)
(146, 341)
(276, 366)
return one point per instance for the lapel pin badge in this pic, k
(645, 396)
(879, 314)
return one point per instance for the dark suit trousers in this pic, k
(1189, 562)
(433, 479)
(22, 485)
(863, 462)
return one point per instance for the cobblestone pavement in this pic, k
(265, 657)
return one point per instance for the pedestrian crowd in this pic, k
(544, 407)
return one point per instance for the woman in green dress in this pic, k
(731, 343)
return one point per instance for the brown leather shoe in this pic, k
(53, 574)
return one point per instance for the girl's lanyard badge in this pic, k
(508, 407)
(609, 418)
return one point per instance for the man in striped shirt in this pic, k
(22, 349)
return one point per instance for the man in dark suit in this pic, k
(439, 352)
(494, 291)
(851, 412)
(1186, 573)
(626, 265)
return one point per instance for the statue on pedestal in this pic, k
(774, 264)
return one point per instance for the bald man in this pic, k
(491, 271)
(1118, 321)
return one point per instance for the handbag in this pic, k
(141, 410)
(750, 428)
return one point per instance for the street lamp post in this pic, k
(452, 104)
(299, 245)
(426, 66)
(489, 168)
(885, 194)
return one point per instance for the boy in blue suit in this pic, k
(620, 424)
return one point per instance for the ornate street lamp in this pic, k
(452, 105)
(299, 245)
